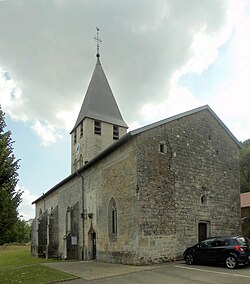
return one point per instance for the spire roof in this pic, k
(99, 102)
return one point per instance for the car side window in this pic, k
(220, 243)
(228, 242)
(207, 243)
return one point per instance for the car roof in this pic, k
(223, 237)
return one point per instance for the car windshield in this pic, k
(243, 241)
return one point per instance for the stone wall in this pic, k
(163, 182)
(53, 229)
(206, 169)
(91, 144)
(42, 234)
(70, 196)
(156, 197)
(114, 177)
(52, 238)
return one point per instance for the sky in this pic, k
(161, 58)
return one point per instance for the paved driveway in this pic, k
(173, 273)
(92, 270)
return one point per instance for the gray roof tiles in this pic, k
(99, 102)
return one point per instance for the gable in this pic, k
(186, 114)
(127, 137)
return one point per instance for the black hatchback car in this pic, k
(230, 251)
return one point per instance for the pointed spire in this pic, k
(99, 102)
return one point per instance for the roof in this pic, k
(99, 102)
(134, 133)
(245, 199)
(181, 115)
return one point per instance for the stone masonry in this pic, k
(164, 181)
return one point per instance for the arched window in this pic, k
(203, 200)
(112, 217)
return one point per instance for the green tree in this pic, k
(9, 197)
(20, 232)
(245, 166)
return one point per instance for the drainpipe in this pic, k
(83, 217)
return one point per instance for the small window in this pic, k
(81, 129)
(115, 132)
(204, 200)
(75, 136)
(114, 221)
(97, 127)
(112, 218)
(163, 148)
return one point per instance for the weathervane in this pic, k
(98, 40)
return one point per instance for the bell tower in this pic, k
(99, 123)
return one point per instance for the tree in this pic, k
(9, 197)
(245, 166)
(20, 232)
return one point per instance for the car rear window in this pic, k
(243, 241)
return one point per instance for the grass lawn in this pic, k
(18, 266)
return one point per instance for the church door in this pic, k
(92, 245)
(202, 231)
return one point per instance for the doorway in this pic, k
(202, 231)
(92, 244)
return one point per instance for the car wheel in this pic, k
(231, 262)
(189, 259)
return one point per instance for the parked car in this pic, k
(230, 251)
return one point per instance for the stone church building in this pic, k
(139, 197)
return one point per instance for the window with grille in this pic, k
(115, 132)
(81, 133)
(97, 127)
(75, 136)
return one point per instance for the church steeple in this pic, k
(99, 102)
(99, 122)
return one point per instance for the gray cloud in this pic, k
(48, 48)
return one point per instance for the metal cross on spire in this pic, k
(98, 40)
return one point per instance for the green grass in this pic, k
(18, 266)
(35, 273)
(17, 256)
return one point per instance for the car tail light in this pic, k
(239, 248)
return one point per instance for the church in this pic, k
(143, 196)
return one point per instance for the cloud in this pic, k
(47, 132)
(48, 50)
(25, 209)
(11, 97)
(231, 98)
